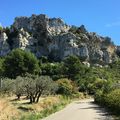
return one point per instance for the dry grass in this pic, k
(11, 109)
(7, 110)
(43, 103)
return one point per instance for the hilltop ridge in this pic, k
(53, 38)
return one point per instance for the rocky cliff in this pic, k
(53, 38)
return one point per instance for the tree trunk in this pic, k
(38, 97)
(18, 96)
(34, 99)
(31, 99)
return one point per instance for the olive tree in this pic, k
(40, 85)
(18, 87)
(6, 85)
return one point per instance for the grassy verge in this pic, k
(7, 110)
(12, 109)
(63, 101)
(50, 106)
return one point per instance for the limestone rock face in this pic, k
(22, 39)
(53, 38)
(41, 22)
(97, 55)
(57, 26)
(84, 53)
(68, 45)
(21, 22)
(4, 46)
(107, 57)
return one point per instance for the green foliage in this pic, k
(20, 62)
(114, 69)
(65, 87)
(43, 59)
(0, 29)
(38, 86)
(18, 87)
(54, 70)
(93, 79)
(110, 100)
(6, 86)
(31, 86)
(1, 66)
(72, 67)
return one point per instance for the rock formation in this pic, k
(4, 46)
(53, 38)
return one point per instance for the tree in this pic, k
(7, 85)
(32, 86)
(40, 85)
(20, 62)
(73, 67)
(18, 87)
(54, 70)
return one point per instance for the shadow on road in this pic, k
(105, 115)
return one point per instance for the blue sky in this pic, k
(101, 16)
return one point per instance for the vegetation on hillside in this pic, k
(23, 75)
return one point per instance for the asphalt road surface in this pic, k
(81, 110)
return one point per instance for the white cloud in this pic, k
(114, 24)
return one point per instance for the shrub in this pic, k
(110, 100)
(65, 86)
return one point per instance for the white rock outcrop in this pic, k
(4, 46)
(52, 37)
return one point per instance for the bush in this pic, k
(110, 100)
(65, 87)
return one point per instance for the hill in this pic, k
(53, 38)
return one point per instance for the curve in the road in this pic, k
(81, 110)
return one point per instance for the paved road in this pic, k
(81, 110)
